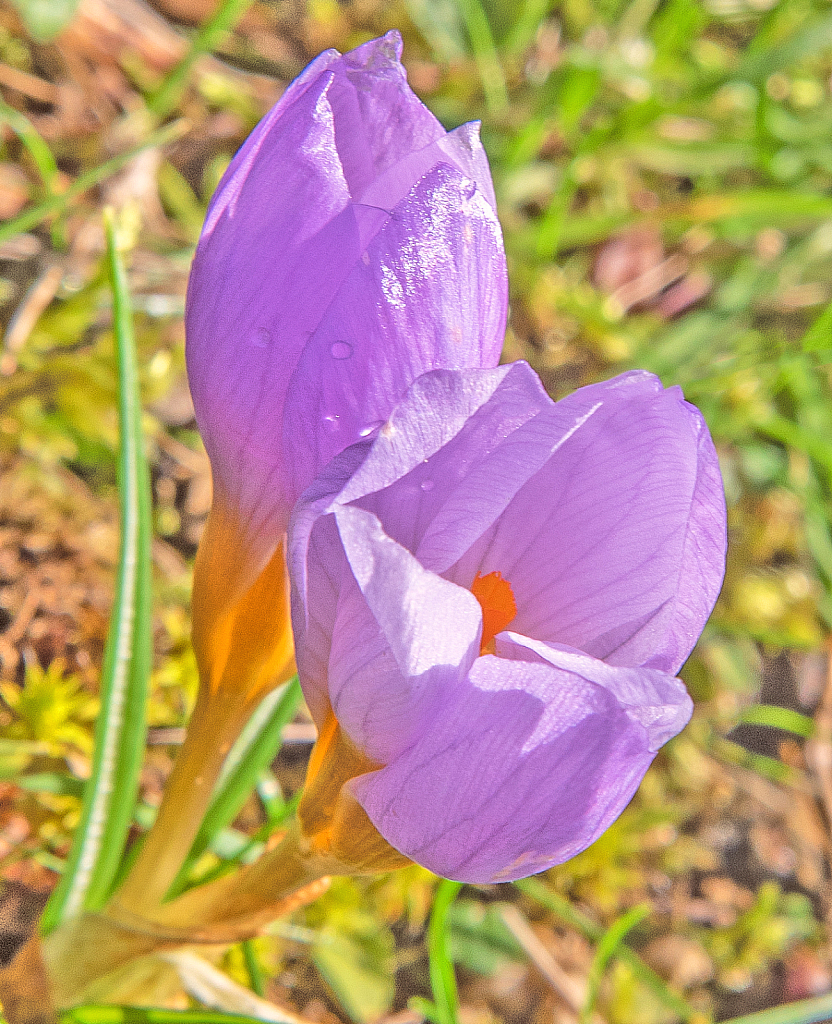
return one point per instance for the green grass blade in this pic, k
(58, 204)
(208, 38)
(442, 976)
(779, 718)
(485, 55)
(807, 1011)
(257, 982)
(562, 908)
(141, 1015)
(110, 793)
(525, 28)
(612, 940)
(249, 758)
(767, 767)
(39, 151)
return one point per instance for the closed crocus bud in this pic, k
(351, 246)
(491, 599)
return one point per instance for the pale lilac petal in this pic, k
(241, 333)
(526, 765)
(452, 424)
(702, 564)
(461, 148)
(429, 291)
(290, 246)
(393, 657)
(657, 700)
(318, 571)
(368, 639)
(606, 564)
(224, 200)
(604, 512)
(379, 119)
(541, 492)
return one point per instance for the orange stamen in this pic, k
(496, 599)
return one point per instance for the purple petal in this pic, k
(702, 564)
(325, 214)
(604, 512)
(379, 119)
(624, 556)
(527, 764)
(393, 656)
(369, 642)
(428, 292)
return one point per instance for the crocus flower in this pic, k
(491, 599)
(352, 245)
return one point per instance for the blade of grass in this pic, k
(562, 908)
(208, 38)
(57, 204)
(807, 1011)
(485, 55)
(248, 759)
(39, 151)
(255, 844)
(110, 793)
(768, 767)
(140, 1015)
(525, 28)
(779, 718)
(611, 941)
(442, 976)
(255, 973)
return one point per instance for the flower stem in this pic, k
(87, 955)
(215, 724)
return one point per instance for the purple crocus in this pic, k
(491, 599)
(351, 246)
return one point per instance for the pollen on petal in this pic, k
(496, 599)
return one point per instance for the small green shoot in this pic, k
(612, 940)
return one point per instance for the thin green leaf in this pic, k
(440, 23)
(139, 1015)
(779, 718)
(207, 39)
(442, 976)
(110, 793)
(807, 1011)
(248, 759)
(58, 204)
(612, 940)
(485, 55)
(528, 23)
(255, 971)
(51, 782)
(562, 908)
(767, 767)
(38, 149)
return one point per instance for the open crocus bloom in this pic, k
(491, 597)
(351, 246)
